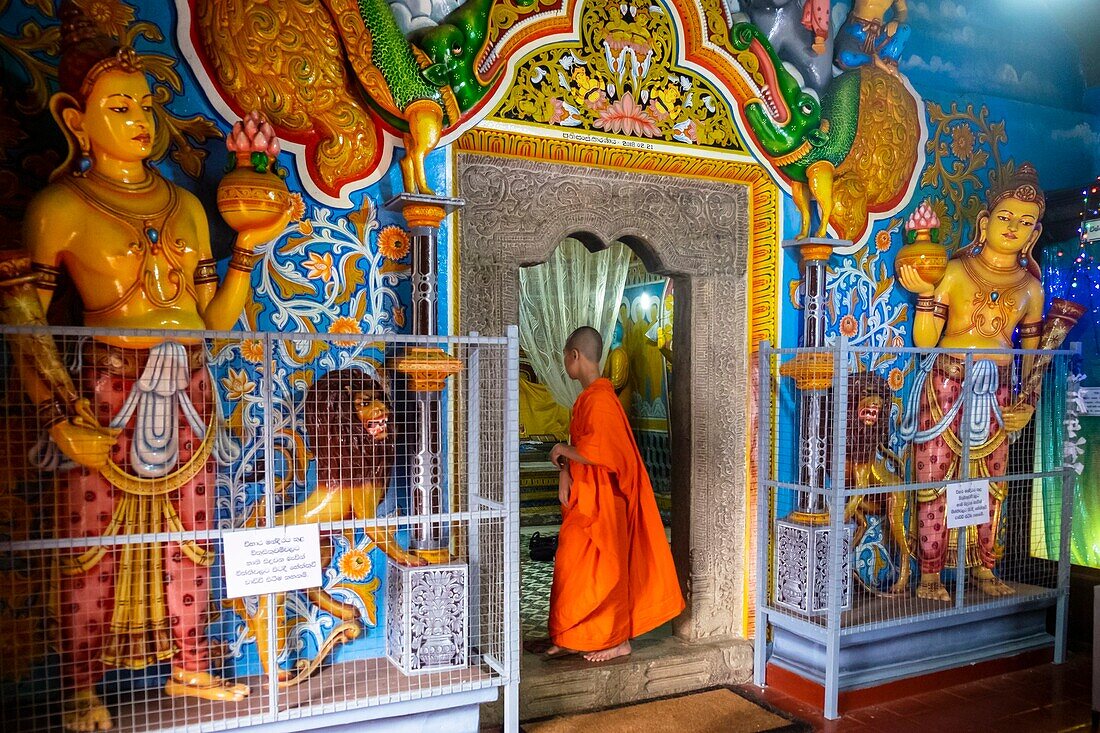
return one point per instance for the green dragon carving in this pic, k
(854, 152)
(458, 46)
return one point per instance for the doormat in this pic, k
(713, 711)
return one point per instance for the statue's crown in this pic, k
(1022, 185)
(87, 52)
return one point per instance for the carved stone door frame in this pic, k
(697, 232)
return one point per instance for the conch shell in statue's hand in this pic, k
(252, 197)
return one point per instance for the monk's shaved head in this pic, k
(588, 342)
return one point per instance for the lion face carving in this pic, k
(348, 421)
(869, 400)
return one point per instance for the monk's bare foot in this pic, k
(604, 654)
(990, 584)
(204, 685)
(931, 588)
(84, 711)
(558, 651)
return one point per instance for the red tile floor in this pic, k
(1040, 699)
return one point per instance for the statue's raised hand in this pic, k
(911, 280)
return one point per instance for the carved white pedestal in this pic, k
(802, 566)
(427, 617)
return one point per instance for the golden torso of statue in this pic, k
(987, 290)
(131, 251)
(985, 305)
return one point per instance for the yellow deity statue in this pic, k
(989, 290)
(141, 428)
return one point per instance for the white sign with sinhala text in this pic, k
(967, 503)
(272, 560)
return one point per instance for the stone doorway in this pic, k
(696, 232)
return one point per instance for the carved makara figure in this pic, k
(990, 289)
(140, 431)
(854, 151)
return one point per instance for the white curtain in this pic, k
(573, 288)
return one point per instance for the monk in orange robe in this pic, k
(613, 572)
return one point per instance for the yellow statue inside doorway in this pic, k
(990, 288)
(137, 249)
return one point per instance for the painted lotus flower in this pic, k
(849, 326)
(895, 379)
(355, 565)
(345, 324)
(617, 44)
(558, 112)
(252, 350)
(962, 141)
(882, 240)
(393, 243)
(318, 266)
(237, 385)
(626, 117)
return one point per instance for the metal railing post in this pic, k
(838, 570)
(1061, 617)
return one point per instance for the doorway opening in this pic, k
(612, 290)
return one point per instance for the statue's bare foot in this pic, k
(932, 589)
(604, 654)
(990, 584)
(84, 711)
(205, 686)
(901, 585)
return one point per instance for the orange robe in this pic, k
(613, 572)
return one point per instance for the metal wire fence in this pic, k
(898, 486)
(205, 531)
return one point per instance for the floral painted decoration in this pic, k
(393, 243)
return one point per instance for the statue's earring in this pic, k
(84, 164)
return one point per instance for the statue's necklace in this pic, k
(996, 291)
(149, 229)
